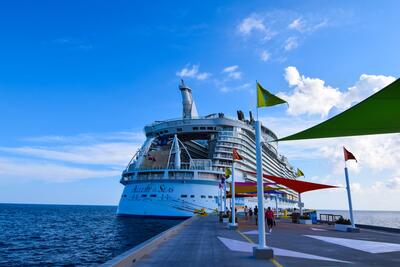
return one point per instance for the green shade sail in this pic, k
(378, 114)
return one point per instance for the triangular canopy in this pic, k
(296, 185)
(251, 187)
(378, 114)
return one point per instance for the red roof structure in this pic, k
(296, 185)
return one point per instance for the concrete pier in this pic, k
(203, 241)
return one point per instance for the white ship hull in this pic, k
(168, 198)
(182, 162)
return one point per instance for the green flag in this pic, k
(266, 99)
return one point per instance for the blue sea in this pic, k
(63, 235)
(379, 218)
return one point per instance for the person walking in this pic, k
(246, 210)
(250, 212)
(256, 214)
(269, 215)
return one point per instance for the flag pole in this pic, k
(346, 173)
(300, 205)
(233, 224)
(224, 195)
(261, 251)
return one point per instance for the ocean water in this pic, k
(62, 235)
(379, 218)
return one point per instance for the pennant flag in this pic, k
(299, 173)
(348, 155)
(228, 172)
(266, 99)
(236, 155)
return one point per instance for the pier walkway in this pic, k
(206, 242)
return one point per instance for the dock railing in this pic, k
(328, 218)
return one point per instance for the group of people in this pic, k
(268, 213)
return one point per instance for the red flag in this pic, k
(236, 155)
(348, 155)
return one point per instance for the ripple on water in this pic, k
(60, 235)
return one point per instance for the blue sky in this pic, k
(79, 80)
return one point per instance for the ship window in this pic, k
(144, 195)
(210, 128)
(183, 196)
(202, 128)
(179, 129)
(166, 131)
(124, 195)
(192, 196)
(203, 196)
(210, 197)
(153, 195)
(195, 128)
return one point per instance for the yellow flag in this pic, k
(299, 173)
(228, 172)
(266, 99)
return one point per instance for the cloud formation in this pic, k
(265, 55)
(312, 96)
(232, 72)
(193, 72)
(251, 24)
(291, 43)
(68, 158)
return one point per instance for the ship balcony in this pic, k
(186, 172)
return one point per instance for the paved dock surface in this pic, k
(206, 242)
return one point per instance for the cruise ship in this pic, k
(179, 167)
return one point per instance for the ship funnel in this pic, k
(189, 107)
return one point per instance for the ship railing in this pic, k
(328, 218)
(183, 167)
(211, 116)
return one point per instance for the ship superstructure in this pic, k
(180, 165)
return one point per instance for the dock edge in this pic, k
(131, 256)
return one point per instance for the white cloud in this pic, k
(117, 154)
(309, 25)
(230, 68)
(265, 55)
(394, 183)
(364, 87)
(291, 43)
(65, 158)
(230, 89)
(22, 169)
(232, 72)
(296, 24)
(250, 24)
(193, 72)
(313, 97)
(310, 95)
(123, 136)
